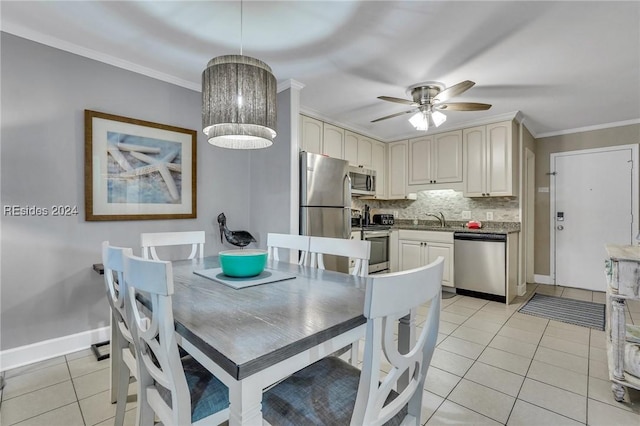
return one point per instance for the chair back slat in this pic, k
(390, 297)
(112, 261)
(154, 337)
(122, 353)
(300, 243)
(149, 242)
(360, 250)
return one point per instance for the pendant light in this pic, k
(239, 101)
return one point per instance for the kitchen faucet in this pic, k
(440, 217)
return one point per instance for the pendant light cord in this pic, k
(240, 27)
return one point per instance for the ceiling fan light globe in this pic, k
(438, 118)
(420, 121)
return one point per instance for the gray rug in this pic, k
(571, 311)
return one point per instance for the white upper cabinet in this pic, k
(351, 147)
(358, 150)
(397, 170)
(311, 134)
(435, 159)
(333, 141)
(490, 161)
(421, 160)
(379, 164)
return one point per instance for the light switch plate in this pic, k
(466, 214)
(489, 215)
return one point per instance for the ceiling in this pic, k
(564, 65)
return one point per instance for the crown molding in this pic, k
(588, 128)
(54, 42)
(289, 84)
(514, 115)
(319, 116)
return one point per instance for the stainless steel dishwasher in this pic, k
(480, 265)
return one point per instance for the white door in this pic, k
(592, 206)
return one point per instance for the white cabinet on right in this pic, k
(490, 160)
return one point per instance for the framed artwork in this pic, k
(138, 170)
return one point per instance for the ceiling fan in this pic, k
(429, 98)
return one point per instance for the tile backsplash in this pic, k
(451, 203)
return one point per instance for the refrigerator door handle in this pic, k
(347, 223)
(346, 191)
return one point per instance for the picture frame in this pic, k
(138, 170)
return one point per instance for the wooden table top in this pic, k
(247, 330)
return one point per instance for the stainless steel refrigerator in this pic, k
(325, 201)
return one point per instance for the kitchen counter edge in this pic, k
(488, 228)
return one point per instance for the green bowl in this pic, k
(242, 263)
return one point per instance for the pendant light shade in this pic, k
(239, 102)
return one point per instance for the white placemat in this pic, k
(265, 277)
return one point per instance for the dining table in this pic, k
(253, 337)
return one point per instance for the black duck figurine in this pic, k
(237, 238)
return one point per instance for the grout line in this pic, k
(75, 391)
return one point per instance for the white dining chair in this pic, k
(360, 250)
(123, 356)
(149, 242)
(300, 243)
(179, 391)
(333, 392)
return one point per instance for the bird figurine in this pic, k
(237, 238)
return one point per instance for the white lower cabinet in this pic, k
(419, 248)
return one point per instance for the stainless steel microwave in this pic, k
(363, 181)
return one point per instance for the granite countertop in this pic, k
(623, 252)
(457, 226)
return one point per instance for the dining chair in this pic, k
(149, 242)
(179, 391)
(331, 391)
(112, 259)
(300, 243)
(360, 250)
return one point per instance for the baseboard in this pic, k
(47, 349)
(521, 289)
(542, 279)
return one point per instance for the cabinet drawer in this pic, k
(431, 236)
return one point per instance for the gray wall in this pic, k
(270, 182)
(602, 138)
(48, 288)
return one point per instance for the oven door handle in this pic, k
(374, 234)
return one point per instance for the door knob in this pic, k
(559, 227)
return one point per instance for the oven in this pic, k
(378, 236)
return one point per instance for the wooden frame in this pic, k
(138, 170)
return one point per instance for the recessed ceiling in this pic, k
(564, 65)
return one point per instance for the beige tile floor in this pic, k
(492, 366)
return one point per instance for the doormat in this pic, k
(571, 311)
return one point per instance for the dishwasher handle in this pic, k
(478, 236)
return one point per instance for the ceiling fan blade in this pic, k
(463, 106)
(398, 100)
(394, 115)
(454, 90)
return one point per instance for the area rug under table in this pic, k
(578, 312)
